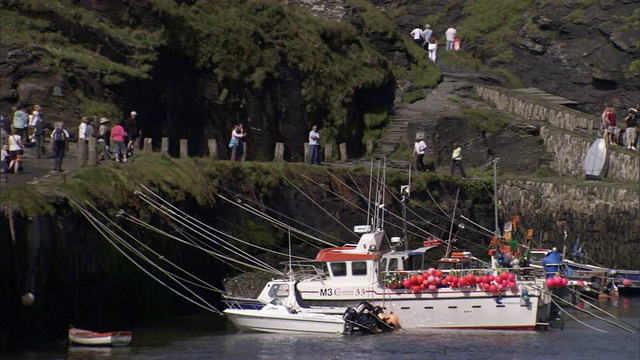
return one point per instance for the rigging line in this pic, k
(576, 319)
(359, 193)
(444, 214)
(453, 216)
(159, 256)
(243, 253)
(607, 313)
(103, 227)
(190, 220)
(284, 225)
(318, 205)
(334, 193)
(298, 234)
(583, 310)
(297, 237)
(213, 253)
(300, 223)
(210, 247)
(193, 239)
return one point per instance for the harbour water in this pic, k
(207, 337)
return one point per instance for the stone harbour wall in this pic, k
(569, 146)
(606, 219)
(570, 152)
(522, 105)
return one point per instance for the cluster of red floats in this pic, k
(557, 281)
(433, 280)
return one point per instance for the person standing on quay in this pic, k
(59, 144)
(314, 146)
(119, 136)
(237, 137)
(456, 158)
(632, 128)
(132, 127)
(21, 122)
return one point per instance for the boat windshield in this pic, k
(279, 291)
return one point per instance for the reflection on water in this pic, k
(86, 352)
(206, 337)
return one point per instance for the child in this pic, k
(4, 158)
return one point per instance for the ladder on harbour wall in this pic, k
(393, 135)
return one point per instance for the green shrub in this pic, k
(486, 121)
(412, 96)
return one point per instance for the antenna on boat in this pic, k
(290, 265)
(455, 206)
(405, 190)
(495, 194)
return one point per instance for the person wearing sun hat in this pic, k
(103, 138)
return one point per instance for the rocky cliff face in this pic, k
(586, 51)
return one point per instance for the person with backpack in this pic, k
(59, 144)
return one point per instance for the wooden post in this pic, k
(147, 145)
(279, 153)
(82, 152)
(306, 152)
(328, 152)
(184, 148)
(165, 146)
(92, 153)
(370, 145)
(343, 152)
(213, 148)
(244, 151)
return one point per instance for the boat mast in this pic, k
(495, 195)
(405, 191)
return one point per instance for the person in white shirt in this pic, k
(451, 36)
(419, 149)
(82, 129)
(15, 151)
(416, 34)
(314, 146)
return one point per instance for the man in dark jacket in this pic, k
(132, 128)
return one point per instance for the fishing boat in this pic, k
(284, 312)
(461, 294)
(92, 338)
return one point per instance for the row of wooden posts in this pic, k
(88, 150)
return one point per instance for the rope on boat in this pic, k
(112, 237)
(583, 310)
(576, 319)
(239, 196)
(187, 221)
(275, 221)
(318, 205)
(218, 255)
(602, 310)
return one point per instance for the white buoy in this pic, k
(27, 299)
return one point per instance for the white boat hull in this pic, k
(470, 309)
(88, 338)
(279, 320)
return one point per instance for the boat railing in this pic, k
(304, 271)
(239, 303)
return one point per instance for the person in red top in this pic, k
(119, 137)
